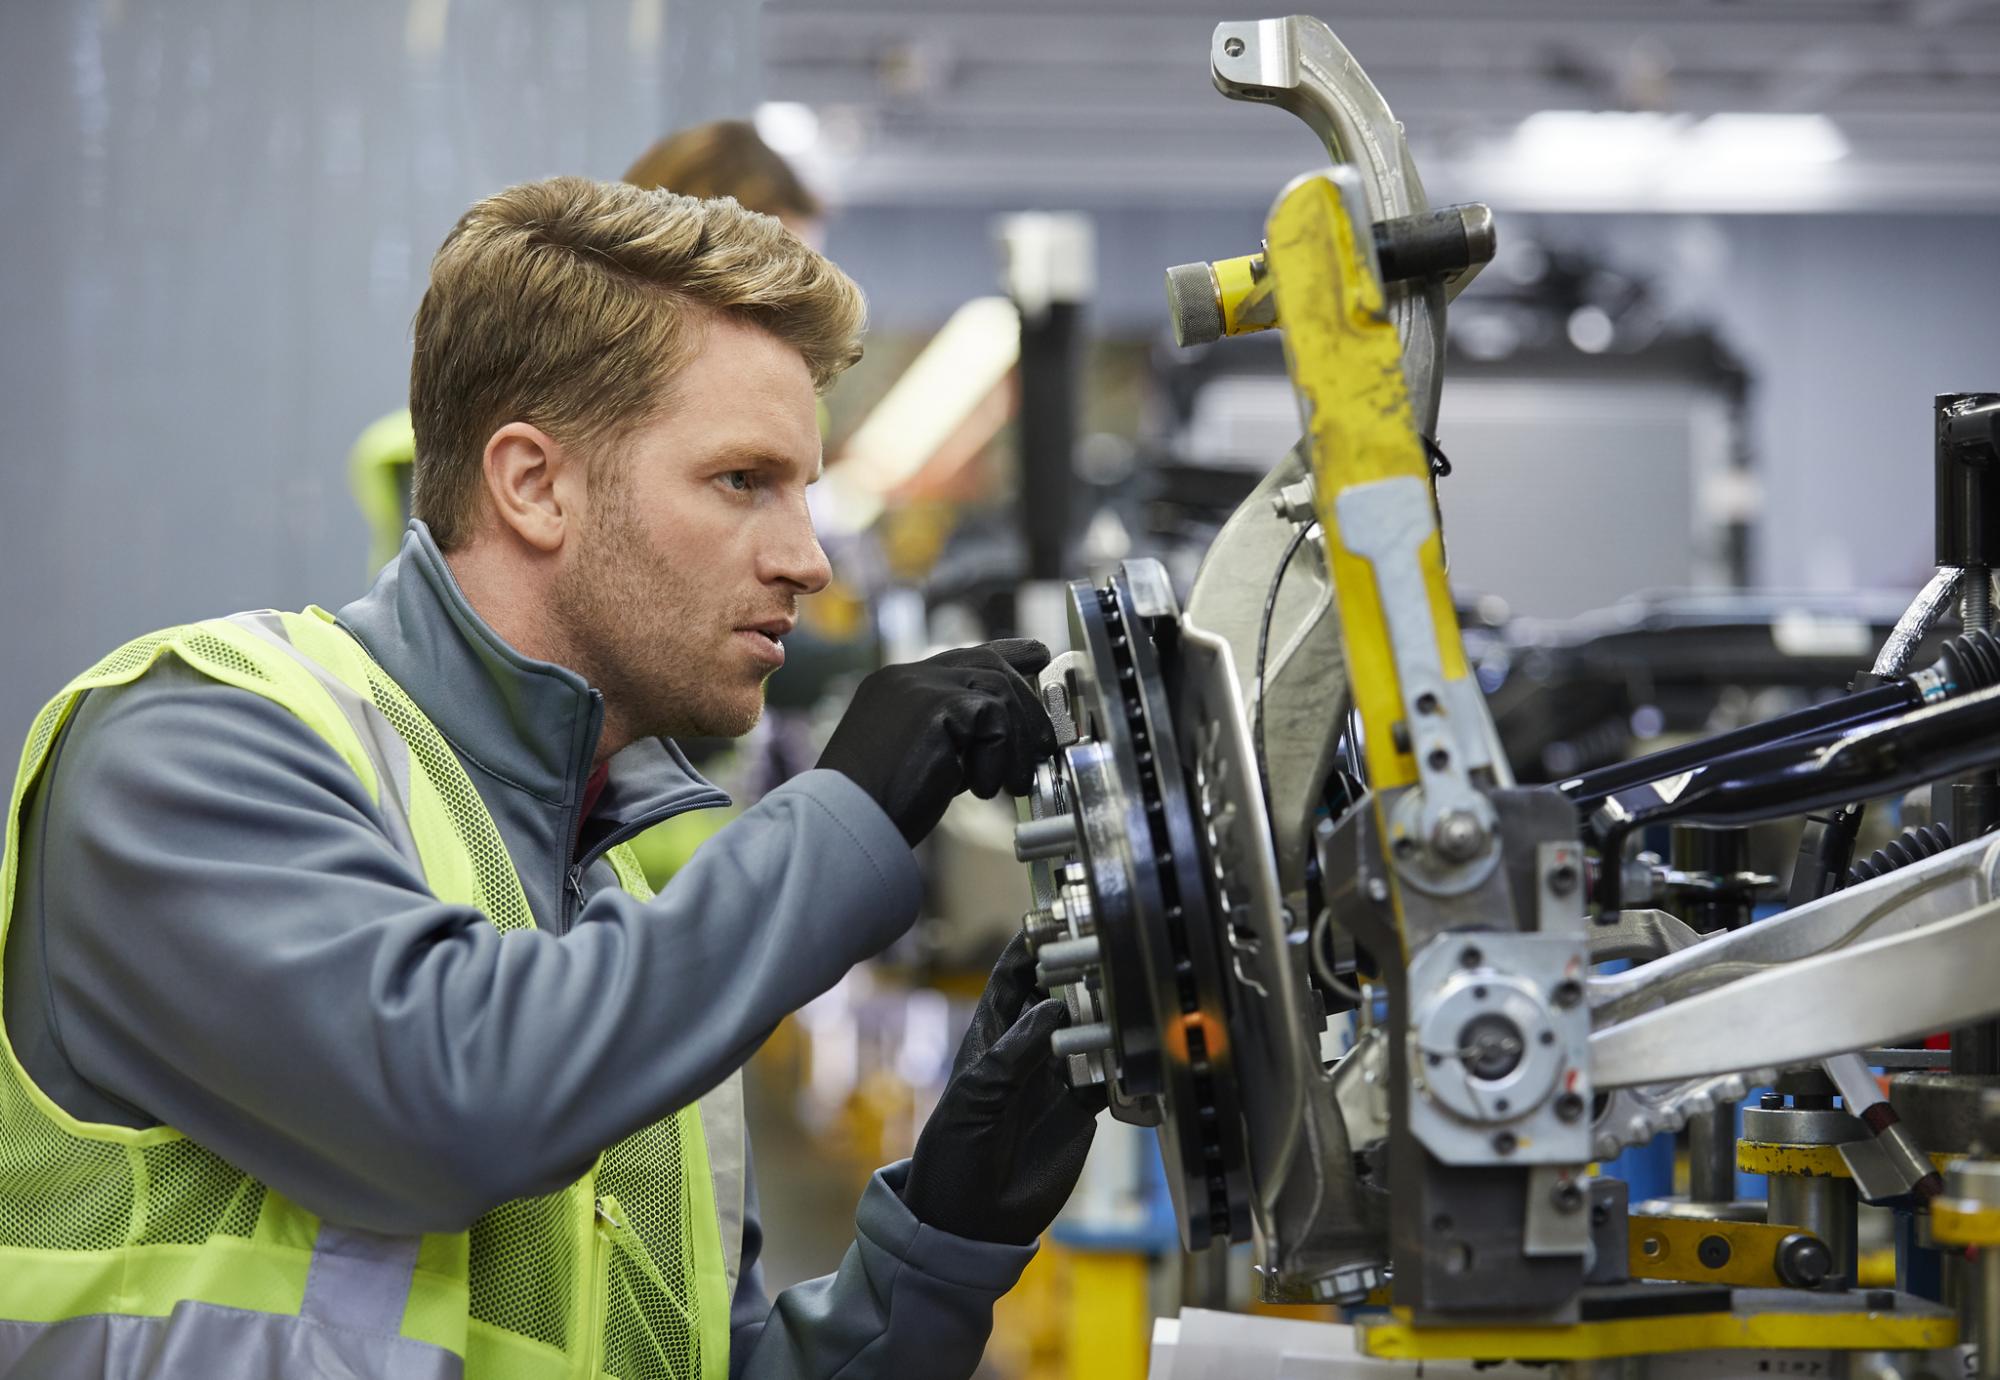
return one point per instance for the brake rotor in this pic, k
(1163, 971)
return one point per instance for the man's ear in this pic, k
(526, 472)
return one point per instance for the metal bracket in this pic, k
(1209, 709)
(1444, 839)
(1298, 65)
(1496, 1042)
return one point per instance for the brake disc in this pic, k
(1163, 974)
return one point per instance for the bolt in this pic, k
(1567, 1197)
(1042, 928)
(1081, 1039)
(1469, 957)
(1771, 1102)
(1458, 836)
(1713, 1252)
(1567, 993)
(1505, 1143)
(1233, 47)
(1562, 879)
(1803, 1261)
(1427, 703)
(1439, 759)
(1569, 1107)
(1052, 836)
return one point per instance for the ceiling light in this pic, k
(1767, 140)
(789, 127)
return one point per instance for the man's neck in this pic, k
(514, 602)
(499, 591)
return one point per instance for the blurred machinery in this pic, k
(1285, 805)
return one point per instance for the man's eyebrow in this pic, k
(753, 457)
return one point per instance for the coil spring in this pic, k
(1974, 657)
(1912, 845)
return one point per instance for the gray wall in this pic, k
(217, 220)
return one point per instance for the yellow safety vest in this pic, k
(148, 1255)
(380, 468)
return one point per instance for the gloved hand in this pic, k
(1001, 1152)
(918, 734)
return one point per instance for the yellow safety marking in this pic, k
(1810, 1161)
(1244, 290)
(1346, 365)
(1806, 1161)
(1398, 1339)
(1962, 1222)
(1670, 1248)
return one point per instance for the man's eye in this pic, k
(740, 480)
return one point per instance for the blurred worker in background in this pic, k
(346, 1037)
(729, 158)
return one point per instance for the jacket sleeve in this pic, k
(231, 945)
(907, 1300)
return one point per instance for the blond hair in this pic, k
(572, 304)
(726, 158)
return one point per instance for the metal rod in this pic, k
(1712, 1155)
(1847, 711)
(1823, 1206)
(1986, 1336)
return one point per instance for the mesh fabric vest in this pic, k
(152, 1256)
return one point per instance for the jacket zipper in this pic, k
(572, 893)
(573, 816)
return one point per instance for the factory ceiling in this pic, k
(1890, 104)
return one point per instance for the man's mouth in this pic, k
(768, 638)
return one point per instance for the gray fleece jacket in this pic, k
(213, 931)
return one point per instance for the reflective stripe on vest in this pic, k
(139, 1253)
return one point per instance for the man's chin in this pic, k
(725, 721)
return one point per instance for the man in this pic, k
(344, 1036)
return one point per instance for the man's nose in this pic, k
(797, 558)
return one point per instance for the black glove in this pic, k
(1001, 1152)
(918, 734)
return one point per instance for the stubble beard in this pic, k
(631, 621)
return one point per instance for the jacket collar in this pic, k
(528, 726)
